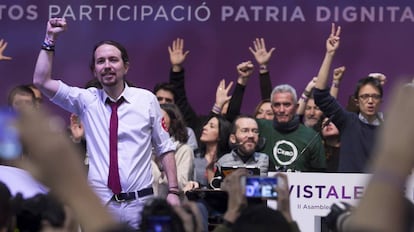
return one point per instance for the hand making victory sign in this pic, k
(332, 43)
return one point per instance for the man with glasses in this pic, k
(357, 131)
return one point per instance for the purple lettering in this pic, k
(358, 192)
(332, 192)
(344, 196)
(290, 189)
(320, 187)
(307, 189)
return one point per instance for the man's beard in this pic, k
(244, 151)
(310, 122)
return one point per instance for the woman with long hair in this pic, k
(213, 145)
(174, 124)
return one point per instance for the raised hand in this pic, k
(177, 54)
(3, 46)
(338, 73)
(245, 70)
(332, 43)
(222, 93)
(379, 76)
(260, 53)
(55, 26)
(76, 128)
(311, 84)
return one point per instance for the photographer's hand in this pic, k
(55, 161)
(283, 201)
(190, 216)
(237, 200)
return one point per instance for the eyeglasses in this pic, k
(365, 97)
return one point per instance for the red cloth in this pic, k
(114, 182)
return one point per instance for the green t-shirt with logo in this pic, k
(299, 150)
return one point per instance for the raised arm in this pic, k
(304, 97)
(244, 70)
(338, 73)
(332, 44)
(3, 46)
(262, 57)
(177, 54)
(42, 77)
(177, 58)
(222, 96)
(380, 77)
(260, 53)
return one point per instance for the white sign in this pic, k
(312, 194)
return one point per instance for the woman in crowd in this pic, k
(213, 144)
(184, 155)
(264, 110)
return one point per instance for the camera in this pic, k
(260, 187)
(338, 218)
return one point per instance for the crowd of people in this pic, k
(130, 156)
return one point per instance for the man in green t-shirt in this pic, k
(290, 145)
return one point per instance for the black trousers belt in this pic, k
(122, 197)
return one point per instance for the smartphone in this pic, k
(260, 186)
(159, 223)
(10, 146)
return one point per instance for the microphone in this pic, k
(311, 141)
(236, 145)
(325, 124)
(259, 145)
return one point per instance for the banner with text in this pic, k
(217, 34)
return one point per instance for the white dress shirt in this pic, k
(139, 128)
